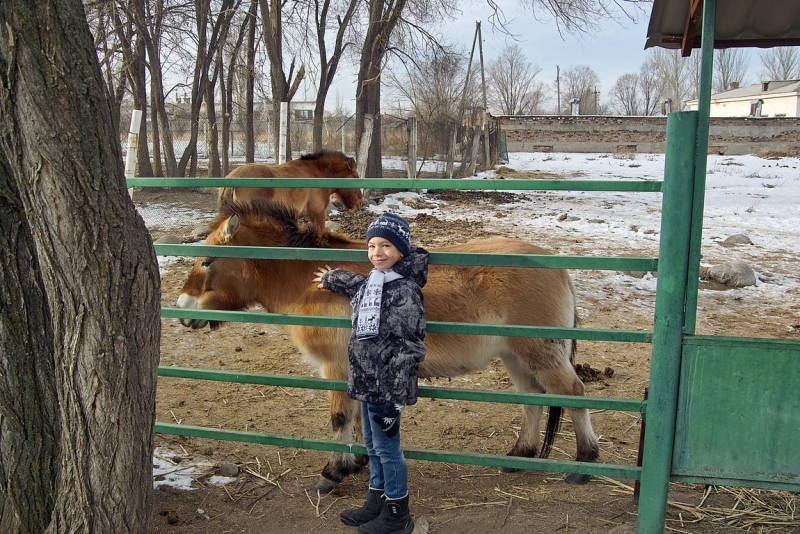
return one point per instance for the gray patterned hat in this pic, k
(393, 228)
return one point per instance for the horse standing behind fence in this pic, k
(472, 294)
(310, 203)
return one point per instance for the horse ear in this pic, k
(231, 226)
(351, 164)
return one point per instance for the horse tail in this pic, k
(224, 195)
(554, 413)
(553, 424)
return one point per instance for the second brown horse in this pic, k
(309, 203)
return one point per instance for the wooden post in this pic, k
(133, 146)
(283, 132)
(363, 149)
(412, 147)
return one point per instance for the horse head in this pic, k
(216, 283)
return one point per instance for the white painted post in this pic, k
(284, 132)
(133, 146)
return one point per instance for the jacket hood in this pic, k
(414, 266)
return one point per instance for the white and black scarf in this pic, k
(369, 309)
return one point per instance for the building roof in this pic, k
(773, 88)
(740, 23)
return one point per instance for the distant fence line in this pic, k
(615, 134)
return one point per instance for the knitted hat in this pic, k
(392, 228)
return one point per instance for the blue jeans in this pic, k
(387, 465)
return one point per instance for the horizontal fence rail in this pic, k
(641, 186)
(478, 395)
(444, 258)
(438, 327)
(464, 458)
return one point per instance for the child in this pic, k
(385, 350)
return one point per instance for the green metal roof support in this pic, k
(668, 322)
(676, 294)
(701, 160)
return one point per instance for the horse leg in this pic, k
(528, 442)
(549, 371)
(345, 412)
(563, 380)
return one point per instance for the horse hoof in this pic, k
(324, 485)
(508, 469)
(577, 479)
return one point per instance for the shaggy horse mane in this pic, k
(321, 154)
(262, 215)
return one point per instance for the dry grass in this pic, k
(753, 510)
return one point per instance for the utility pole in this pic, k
(596, 94)
(486, 164)
(558, 89)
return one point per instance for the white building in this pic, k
(766, 99)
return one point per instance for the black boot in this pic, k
(368, 511)
(394, 519)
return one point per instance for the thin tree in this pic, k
(512, 78)
(675, 75)
(79, 290)
(284, 84)
(730, 68)
(328, 60)
(649, 88)
(780, 63)
(625, 96)
(581, 83)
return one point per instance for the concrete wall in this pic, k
(612, 134)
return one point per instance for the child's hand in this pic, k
(320, 273)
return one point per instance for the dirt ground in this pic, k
(271, 493)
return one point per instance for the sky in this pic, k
(616, 48)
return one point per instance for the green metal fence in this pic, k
(497, 260)
(704, 423)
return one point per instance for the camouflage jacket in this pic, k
(385, 368)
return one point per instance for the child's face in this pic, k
(382, 254)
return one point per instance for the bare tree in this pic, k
(581, 16)
(625, 96)
(675, 75)
(433, 85)
(512, 78)
(730, 67)
(284, 84)
(779, 63)
(328, 65)
(581, 83)
(649, 88)
(79, 290)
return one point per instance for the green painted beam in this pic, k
(488, 460)
(440, 258)
(504, 397)
(642, 186)
(441, 327)
(668, 321)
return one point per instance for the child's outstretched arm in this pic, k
(338, 280)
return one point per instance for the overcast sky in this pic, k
(615, 49)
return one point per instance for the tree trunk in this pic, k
(250, 142)
(368, 91)
(79, 290)
(214, 167)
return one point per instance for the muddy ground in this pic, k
(271, 492)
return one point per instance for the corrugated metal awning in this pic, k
(740, 23)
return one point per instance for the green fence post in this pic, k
(670, 312)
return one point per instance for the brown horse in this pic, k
(310, 203)
(491, 295)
